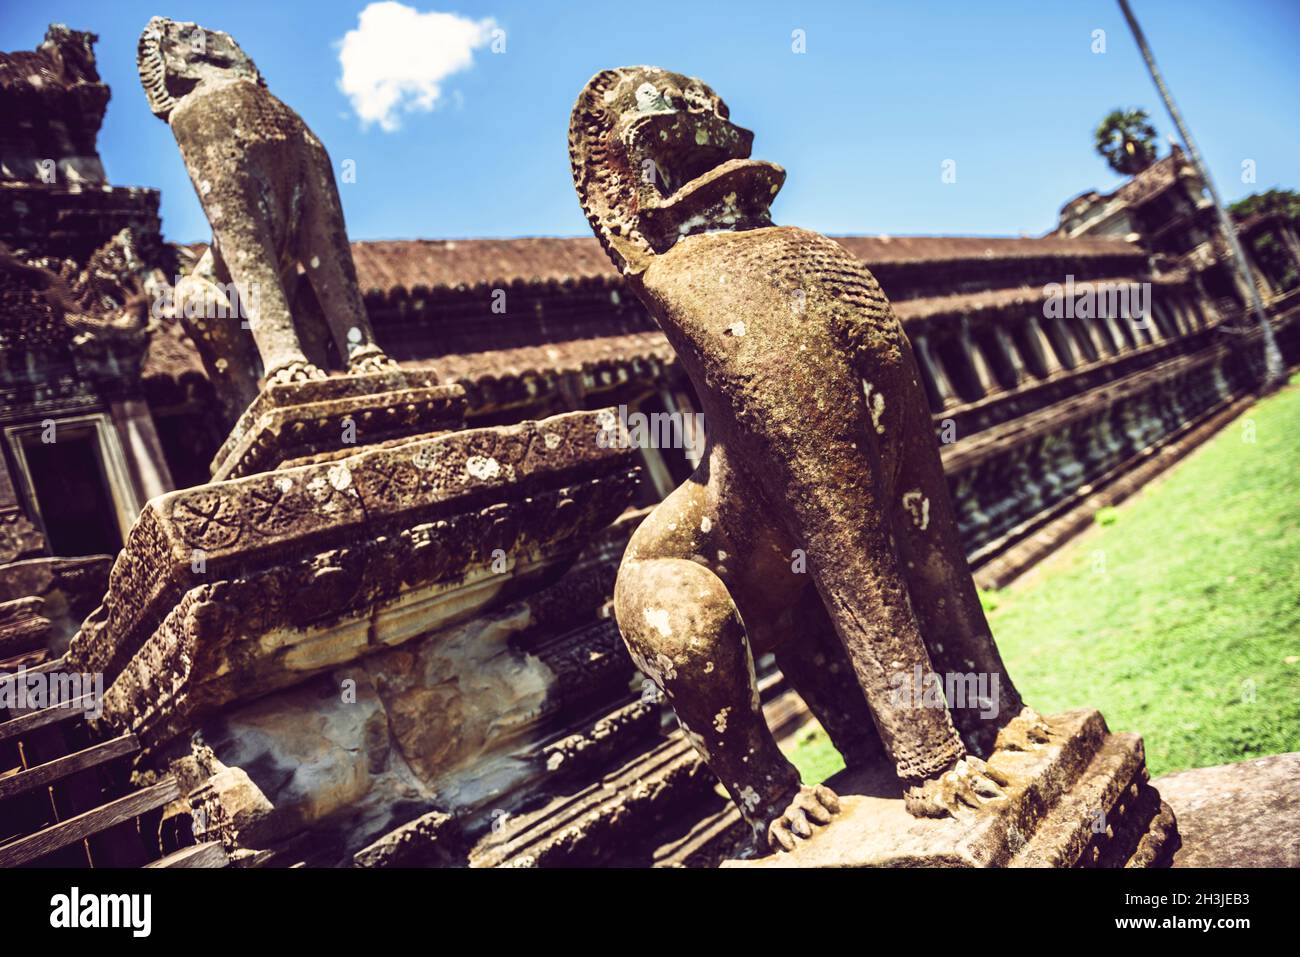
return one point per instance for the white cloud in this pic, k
(397, 58)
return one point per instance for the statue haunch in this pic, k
(818, 525)
(268, 190)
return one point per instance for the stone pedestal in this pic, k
(235, 589)
(1243, 814)
(299, 422)
(1080, 799)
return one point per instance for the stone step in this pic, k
(207, 854)
(25, 634)
(407, 845)
(26, 723)
(54, 664)
(43, 775)
(595, 813)
(24, 661)
(706, 843)
(24, 850)
(1094, 810)
(16, 609)
(615, 812)
(874, 828)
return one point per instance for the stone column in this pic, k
(657, 469)
(1202, 309)
(1243, 291)
(984, 376)
(1011, 353)
(1187, 313)
(1180, 321)
(1257, 272)
(1116, 332)
(1070, 353)
(934, 371)
(1085, 340)
(141, 448)
(1097, 335)
(1043, 346)
(1147, 324)
(1173, 317)
(1288, 236)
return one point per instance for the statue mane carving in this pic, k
(153, 74)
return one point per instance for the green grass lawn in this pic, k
(1176, 614)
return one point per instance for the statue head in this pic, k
(656, 158)
(174, 58)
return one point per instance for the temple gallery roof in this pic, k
(1139, 189)
(388, 265)
(391, 269)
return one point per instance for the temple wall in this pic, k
(995, 357)
(73, 220)
(398, 648)
(1036, 413)
(559, 752)
(384, 693)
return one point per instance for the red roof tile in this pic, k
(453, 263)
(386, 265)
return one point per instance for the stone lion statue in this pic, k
(818, 525)
(267, 187)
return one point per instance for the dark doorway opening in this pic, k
(71, 491)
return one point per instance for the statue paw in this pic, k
(371, 361)
(296, 371)
(1025, 732)
(968, 784)
(809, 807)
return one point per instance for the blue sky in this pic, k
(862, 121)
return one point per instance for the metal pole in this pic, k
(1274, 368)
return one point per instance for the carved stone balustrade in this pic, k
(228, 591)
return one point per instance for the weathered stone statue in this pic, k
(818, 525)
(268, 189)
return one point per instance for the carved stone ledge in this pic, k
(655, 782)
(19, 538)
(237, 639)
(589, 827)
(289, 421)
(69, 587)
(415, 843)
(24, 631)
(1081, 799)
(198, 537)
(1057, 457)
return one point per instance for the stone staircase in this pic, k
(65, 794)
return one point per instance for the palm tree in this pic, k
(1127, 141)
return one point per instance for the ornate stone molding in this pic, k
(297, 420)
(192, 538)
